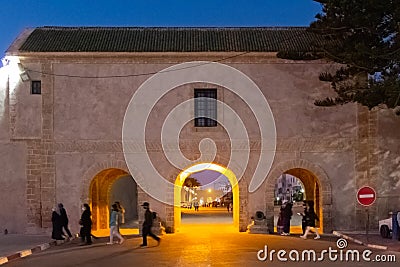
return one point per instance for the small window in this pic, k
(36, 88)
(205, 107)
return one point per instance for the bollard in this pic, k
(395, 226)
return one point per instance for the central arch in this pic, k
(180, 179)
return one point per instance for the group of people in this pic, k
(117, 218)
(307, 223)
(59, 219)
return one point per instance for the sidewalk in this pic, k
(373, 240)
(14, 246)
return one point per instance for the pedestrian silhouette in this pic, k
(279, 224)
(310, 217)
(57, 224)
(147, 224)
(64, 220)
(286, 216)
(86, 223)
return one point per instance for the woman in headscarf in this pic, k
(57, 224)
(86, 222)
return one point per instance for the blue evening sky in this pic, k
(21, 14)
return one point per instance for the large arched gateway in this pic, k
(317, 189)
(197, 168)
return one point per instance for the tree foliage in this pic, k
(363, 36)
(191, 182)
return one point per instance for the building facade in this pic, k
(289, 188)
(61, 129)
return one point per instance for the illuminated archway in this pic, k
(180, 179)
(99, 198)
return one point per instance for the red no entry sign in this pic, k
(366, 196)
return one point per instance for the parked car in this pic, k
(385, 227)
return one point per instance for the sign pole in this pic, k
(367, 224)
(366, 196)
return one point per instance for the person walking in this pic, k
(57, 224)
(196, 205)
(86, 222)
(147, 224)
(113, 225)
(310, 217)
(303, 217)
(64, 220)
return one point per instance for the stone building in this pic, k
(65, 94)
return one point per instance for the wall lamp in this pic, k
(23, 73)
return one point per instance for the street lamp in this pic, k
(23, 73)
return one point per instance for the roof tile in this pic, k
(137, 39)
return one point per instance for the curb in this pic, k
(336, 233)
(38, 248)
(28, 252)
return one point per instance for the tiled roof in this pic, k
(133, 39)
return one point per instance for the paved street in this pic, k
(206, 215)
(203, 246)
(197, 244)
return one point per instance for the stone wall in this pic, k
(73, 131)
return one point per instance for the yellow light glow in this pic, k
(209, 190)
(197, 168)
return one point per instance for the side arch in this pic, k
(95, 169)
(302, 168)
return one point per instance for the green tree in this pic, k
(363, 36)
(191, 182)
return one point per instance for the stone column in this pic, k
(33, 185)
(48, 179)
(244, 218)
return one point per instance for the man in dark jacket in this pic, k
(64, 219)
(147, 224)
